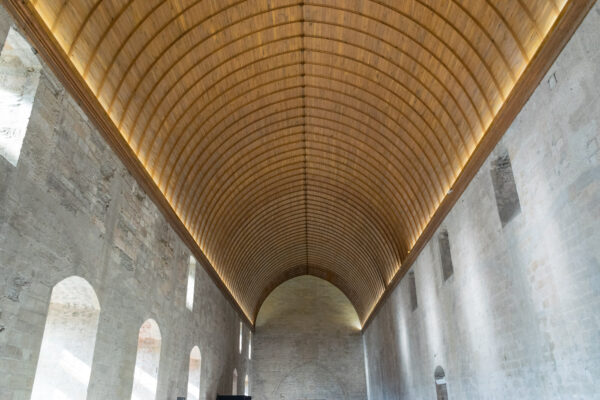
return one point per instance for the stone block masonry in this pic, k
(519, 317)
(308, 344)
(69, 207)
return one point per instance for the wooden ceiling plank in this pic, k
(408, 186)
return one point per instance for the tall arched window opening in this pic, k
(241, 337)
(441, 389)
(412, 286)
(505, 188)
(67, 350)
(249, 345)
(19, 78)
(234, 384)
(191, 283)
(194, 374)
(145, 377)
(246, 386)
(445, 254)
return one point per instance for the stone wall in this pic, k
(308, 344)
(69, 207)
(518, 318)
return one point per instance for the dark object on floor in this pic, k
(234, 397)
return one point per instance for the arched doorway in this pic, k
(234, 384)
(194, 374)
(440, 383)
(145, 377)
(67, 350)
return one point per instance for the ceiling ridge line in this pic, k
(303, 78)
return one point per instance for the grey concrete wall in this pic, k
(519, 318)
(70, 208)
(308, 344)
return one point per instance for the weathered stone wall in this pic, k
(69, 207)
(519, 318)
(308, 344)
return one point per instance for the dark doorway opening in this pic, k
(440, 383)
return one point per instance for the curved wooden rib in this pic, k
(302, 137)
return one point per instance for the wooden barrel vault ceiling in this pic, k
(292, 137)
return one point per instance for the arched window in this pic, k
(234, 384)
(194, 374)
(412, 286)
(505, 188)
(246, 386)
(191, 281)
(19, 77)
(440, 383)
(241, 338)
(249, 345)
(67, 351)
(445, 254)
(145, 377)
